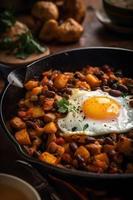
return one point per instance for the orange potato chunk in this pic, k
(35, 112)
(94, 148)
(17, 123)
(23, 137)
(83, 152)
(31, 84)
(60, 81)
(125, 145)
(37, 90)
(50, 128)
(93, 80)
(48, 158)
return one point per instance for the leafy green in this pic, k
(124, 94)
(85, 127)
(7, 20)
(27, 46)
(63, 105)
(22, 47)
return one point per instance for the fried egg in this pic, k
(96, 113)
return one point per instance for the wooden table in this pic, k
(94, 35)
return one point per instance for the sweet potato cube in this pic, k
(101, 160)
(102, 157)
(35, 112)
(48, 158)
(94, 148)
(31, 84)
(50, 128)
(23, 137)
(60, 81)
(17, 123)
(93, 80)
(83, 152)
(125, 145)
(37, 90)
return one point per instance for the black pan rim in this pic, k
(61, 171)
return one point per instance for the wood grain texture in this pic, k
(94, 35)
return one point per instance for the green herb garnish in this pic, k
(7, 20)
(124, 94)
(22, 47)
(63, 105)
(27, 46)
(85, 127)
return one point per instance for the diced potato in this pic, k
(48, 158)
(66, 147)
(60, 150)
(93, 80)
(35, 112)
(83, 85)
(101, 164)
(50, 128)
(60, 81)
(94, 148)
(23, 137)
(17, 123)
(83, 152)
(101, 160)
(125, 145)
(56, 149)
(31, 84)
(37, 90)
(102, 157)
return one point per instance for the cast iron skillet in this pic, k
(68, 60)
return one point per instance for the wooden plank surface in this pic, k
(94, 35)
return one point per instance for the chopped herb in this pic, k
(124, 94)
(7, 20)
(74, 128)
(22, 47)
(63, 105)
(72, 108)
(85, 127)
(27, 45)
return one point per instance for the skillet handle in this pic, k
(4, 71)
(42, 184)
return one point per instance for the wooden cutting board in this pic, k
(11, 60)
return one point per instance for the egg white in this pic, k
(76, 123)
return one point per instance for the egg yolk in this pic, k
(101, 108)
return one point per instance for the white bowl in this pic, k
(20, 185)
